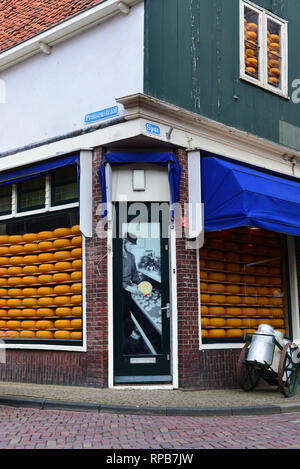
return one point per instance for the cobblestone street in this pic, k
(52, 429)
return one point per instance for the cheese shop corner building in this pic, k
(127, 267)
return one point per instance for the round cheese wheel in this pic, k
(44, 335)
(214, 310)
(275, 281)
(220, 299)
(45, 257)
(262, 300)
(61, 243)
(2, 302)
(3, 271)
(4, 261)
(232, 256)
(33, 259)
(29, 291)
(233, 299)
(60, 232)
(77, 288)
(204, 322)
(233, 311)
(62, 266)
(76, 323)
(217, 276)
(14, 302)
(263, 312)
(276, 301)
(13, 292)
(61, 255)
(214, 254)
(12, 334)
(30, 247)
(232, 289)
(216, 287)
(203, 286)
(248, 279)
(76, 276)
(215, 243)
(29, 280)
(30, 269)
(62, 289)
(30, 237)
(45, 278)
(276, 291)
(234, 278)
(12, 281)
(64, 311)
(62, 324)
(234, 333)
(13, 324)
(274, 270)
(27, 334)
(234, 322)
(77, 310)
(76, 253)
(75, 230)
(14, 239)
(4, 250)
(15, 271)
(76, 299)
(44, 291)
(28, 324)
(44, 235)
(249, 312)
(216, 322)
(215, 265)
(14, 313)
(45, 245)
(2, 324)
(28, 312)
(77, 241)
(204, 333)
(44, 312)
(261, 270)
(203, 274)
(61, 277)
(215, 333)
(3, 292)
(4, 239)
(249, 322)
(277, 323)
(3, 313)
(262, 280)
(76, 335)
(44, 324)
(61, 300)
(3, 281)
(232, 267)
(277, 312)
(29, 302)
(264, 321)
(62, 334)
(204, 298)
(15, 249)
(45, 301)
(46, 268)
(77, 264)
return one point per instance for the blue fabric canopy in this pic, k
(37, 170)
(238, 195)
(166, 159)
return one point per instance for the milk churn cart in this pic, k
(268, 355)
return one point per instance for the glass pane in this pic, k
(242, 283)
(64, 186)
(31, 194)
(274, 53)
(142, 298)
(5, 200)
(251, 43)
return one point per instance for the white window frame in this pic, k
(262, 81)
(48, 208)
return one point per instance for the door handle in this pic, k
(167, 308)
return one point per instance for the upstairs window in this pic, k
(263, 48)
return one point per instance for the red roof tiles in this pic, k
(23, 19)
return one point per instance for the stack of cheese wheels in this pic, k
(41, 285)
(251, 49)
(273, 59)
(240, 282)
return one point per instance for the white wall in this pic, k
(49, 95)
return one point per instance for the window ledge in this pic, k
(266, 87)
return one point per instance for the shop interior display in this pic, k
(41, 285)
(241, 282)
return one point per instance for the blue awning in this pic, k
(239, 195)
(165, 159)
(37, 170)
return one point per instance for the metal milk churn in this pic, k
(262, 345)
(277, 351)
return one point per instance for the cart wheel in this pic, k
(247, 376)
(287, 373)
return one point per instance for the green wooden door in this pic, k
(141, 301)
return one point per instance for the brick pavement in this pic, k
(52, 429)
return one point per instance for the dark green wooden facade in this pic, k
(192, 60)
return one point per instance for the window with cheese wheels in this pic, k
(242, 283)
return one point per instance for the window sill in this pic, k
(266, 87)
